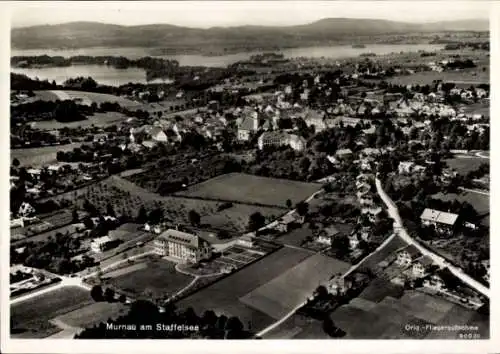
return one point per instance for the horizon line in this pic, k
(250, 25)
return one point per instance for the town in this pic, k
(277, 198)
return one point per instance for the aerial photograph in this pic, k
(220, 170)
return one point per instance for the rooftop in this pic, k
(101, 240)
(439, 216)
(189, 240)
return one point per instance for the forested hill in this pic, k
(325, 31)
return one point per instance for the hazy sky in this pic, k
(229, 13)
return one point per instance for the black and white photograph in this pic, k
(249, 170)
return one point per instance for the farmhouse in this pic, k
(339, 285)
(101, 244)
(284, 225)
(435, 282)
(421, 267)
(327, 235)
(443, 222)
(406, 256)
(182, 246)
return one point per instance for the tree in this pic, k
(233, 328)
(288, 203)
(96, 293)
(302, 208)
(74, 216)
(321, 292)
(142, 216)
(109, 295)
(256, 221)
(194, 217)
(109, 210)
(89, 224)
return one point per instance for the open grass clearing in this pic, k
(379, 289)
(158, 279)
(466, 165)
(251, 189)
(223, 296)
(473, 76)
(278, 297)
(30, 318)
(385, 253)
(40, 156)
(97, 120)
(93, 314)
(480, 202)
(53, 95)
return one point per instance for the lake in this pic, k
(110, 76)
(105, 75)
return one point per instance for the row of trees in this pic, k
(146, 314)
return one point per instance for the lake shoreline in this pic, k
(108, 75)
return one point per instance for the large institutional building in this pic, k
(182, 246)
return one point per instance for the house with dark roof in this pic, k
(248, 125)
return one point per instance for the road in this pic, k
(69, 281)
(438, 260)
(475, 191)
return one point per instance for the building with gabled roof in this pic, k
(443, 222)
(248, 125)
(406, 256)
(182, 246)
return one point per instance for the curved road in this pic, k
(440, 261)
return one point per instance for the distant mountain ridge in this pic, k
(94, 34)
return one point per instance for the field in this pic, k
(40, 156)
(235, 219)
(466, 165)
(468, 77)
(371, 262)
(296, 236)
(58, 222)
(223, 297)
(250, 189)
(98, 120)
(386, 318)
(279, 296)
(127, 197)
(86, 97)
(92, 314)
(30, 318)
(159, 280)
(478, 108)
(480, 202)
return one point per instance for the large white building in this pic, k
(182, 246)
(277, 138)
